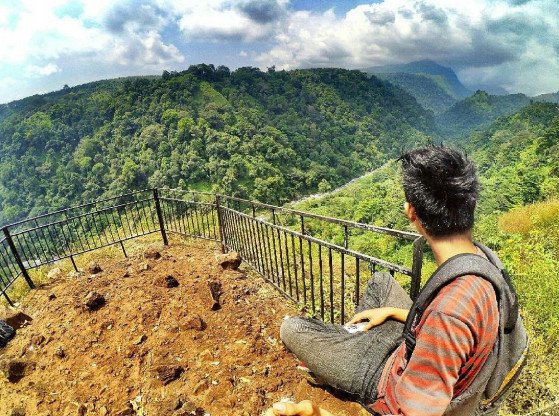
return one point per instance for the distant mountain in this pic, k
(478, 111)
(427, 67)
(430, 91)
(548, 98)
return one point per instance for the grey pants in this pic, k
(348, 362)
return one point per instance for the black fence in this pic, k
(326, 278)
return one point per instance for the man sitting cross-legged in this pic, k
(454, 335)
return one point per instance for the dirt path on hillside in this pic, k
(151, 349)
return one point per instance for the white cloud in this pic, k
(228, 20)
(481, 38)
(508, 43)
(41, 71)
(147, 49)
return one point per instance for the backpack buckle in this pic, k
(410, 342)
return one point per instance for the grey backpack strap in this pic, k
(459, 265)
(514, 307)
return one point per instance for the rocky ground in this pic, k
(168, 332)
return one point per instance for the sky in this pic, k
(502, 44)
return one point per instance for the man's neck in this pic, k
(446, 247)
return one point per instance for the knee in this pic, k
(289, 329)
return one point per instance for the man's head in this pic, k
(442, 188)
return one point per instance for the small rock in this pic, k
(129, 272)
(144, 267)
(230, 261)
(103, 411)
(60, 353)
(16, 370)
(201, 386)
(94, 301)
(94, 268)
(194, 322)
(215, 293)
(170, 281)
(52, 296)
(206, 355)
(125, 275)
(152, 253)
(168, 373)
(82, 410)
(54, 273)
(37, 340)
(126, 412)
(15, 318)
(141, 339)
(189, 409)
(18, 411)
(74, 274)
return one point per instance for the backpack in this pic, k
(503, 366)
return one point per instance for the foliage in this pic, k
(271, 136)
(430, 91)
(477, 112)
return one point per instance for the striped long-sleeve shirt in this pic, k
(454, 338)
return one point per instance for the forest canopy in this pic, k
(271, 136)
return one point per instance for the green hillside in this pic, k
(434, 86)
(518, 215)
(549, 98)
(477, 112)
(427, 67)
(432, 92)
(270, 136)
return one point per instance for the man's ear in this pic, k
(409, 210)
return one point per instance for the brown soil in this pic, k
(154, 348)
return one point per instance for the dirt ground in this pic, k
(151, 349)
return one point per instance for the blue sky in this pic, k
(503, 44)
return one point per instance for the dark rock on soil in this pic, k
(230, 261)
(126, 412)
(170, 281)
(152, 253)
(15, 318)
(94, 268)
(94, 301)
(168, 373)
(16, 370)
(194, 322)
(215, 293)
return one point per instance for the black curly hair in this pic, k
(442, 185)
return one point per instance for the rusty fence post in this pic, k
(17, 257)
(160, 216)
(222, 235)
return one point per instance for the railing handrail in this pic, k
(70, 208)
(370, 259)
(407, 235)
(55, 239)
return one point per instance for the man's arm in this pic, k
(378, 316)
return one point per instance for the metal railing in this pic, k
(326, 278)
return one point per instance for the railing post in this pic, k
(417, 265)
(220, 224)
(160, 216)
(346, 237)
(17, 257)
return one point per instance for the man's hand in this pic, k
(304, 408)
(379, 315)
